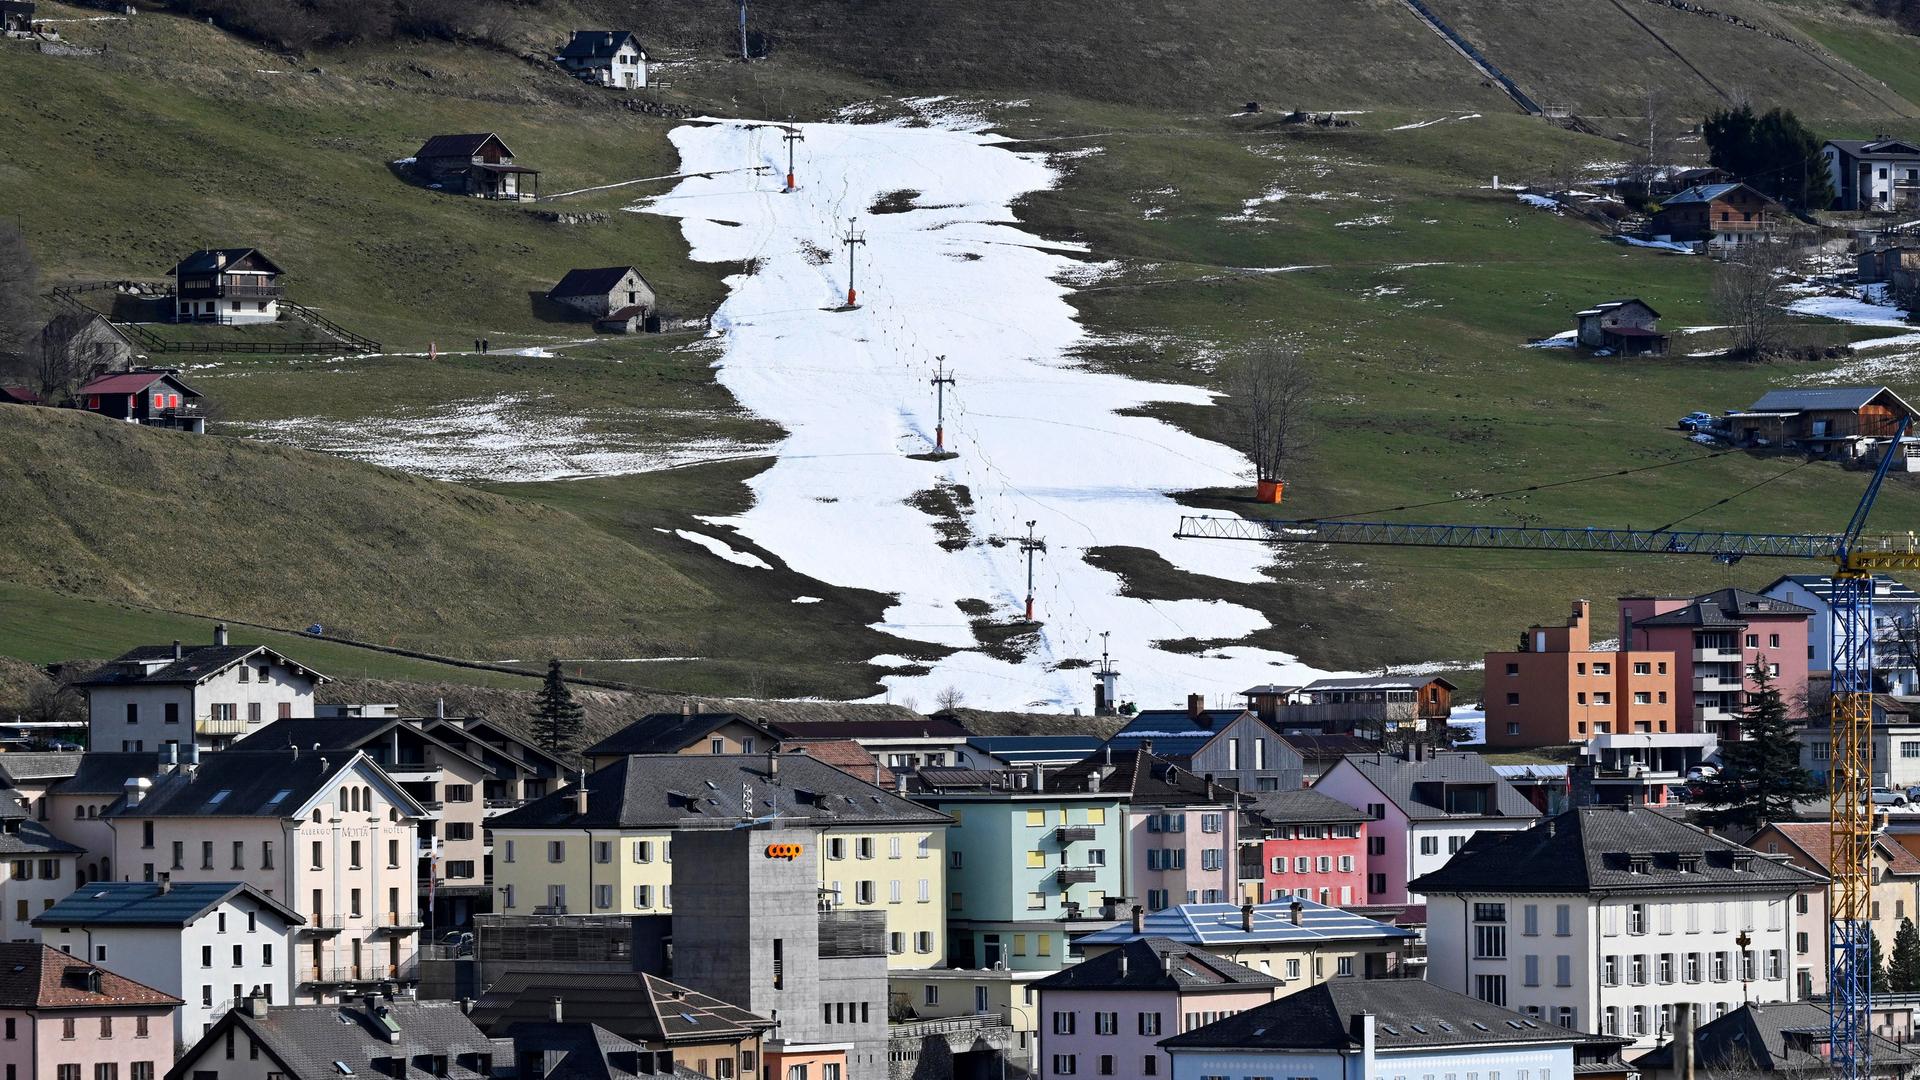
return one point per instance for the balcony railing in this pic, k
(348, 973)
(1067, 834)
(1717, 683)
(1717, 654)
(232, 292)
(1076, 876)
(951, 1025)
(221, 726)
(324, 924)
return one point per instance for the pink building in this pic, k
(1716, 640)
(1182, 830)
(1309, 845)
(1105, 1015)
(62, 1018)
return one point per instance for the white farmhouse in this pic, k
(210, 943)
(1873, 174)
(606, 58)
(201, 695)
(1608, 917)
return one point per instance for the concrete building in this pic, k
(1182, 831)
(1636, 769)
(331, 837)
(65, 1018)
(1613, 915)
(1716, 640)
(1782, 1038)
(1557, 689)
(1424, 806)
(967, 995)
(1108, 1013)
(203, 695)
(36, 869)
(1303, 844)
(610, 848)
(360, 1037)
(901, 745)
(1027, 866)
(211, 944)
(1873, 174)
(1249, 754)
(1405, 1027)
(1896, 630)
(686, 732)
(1296, 941)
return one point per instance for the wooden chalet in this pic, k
(1720, 213)
(475, 164)
(228, 286)
(612, 58)
(152, 397)
(1830, 421)
(1623, 327)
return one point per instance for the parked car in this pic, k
(1884, 797)
(1693, 421)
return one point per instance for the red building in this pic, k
(1716, 640)
(1304, 844)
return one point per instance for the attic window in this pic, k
(219, 796)
(690, 1018)
(278, 796)
(1742, 862)
(1389, 1029)
(1515, 1025)
(1444, 1026)
(1418, 1028)
(1689, 862)
(1639, 864)
(345, 1069)
(1478, 1026)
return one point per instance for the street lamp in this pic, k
(1746, 963)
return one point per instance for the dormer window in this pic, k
(1742, 862)
(1639, 864)
(1689, 862)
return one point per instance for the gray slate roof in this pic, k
(1408, 1013)
(1760, 1037)
(1725, 609)
(1303, 807)
(195, 663)
(705, 791)
(1142, 779)
(1593, 850)
(308, 1039)
(1822, 399)
(1413, 785)
(206, 262)
(598, 44)
(238, 783)
(23, 767)
(670, 733)
(581, 1051)
(20, 837)
(596, 281)
(142, 903)
(1156, 963)
(460, 146)
(104, 773)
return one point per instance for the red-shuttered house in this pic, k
(154, 398)
(1308, 846)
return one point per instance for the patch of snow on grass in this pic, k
(721, 548)
(1565, 339)
(1435, 120)
(1367, 222)
(1039, 437)
(1539, 202)
(1869, 308)
(1658, 245)
(806, 600)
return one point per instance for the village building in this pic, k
(521, 770)
(1621, 327)
(1303, 844)
(1773, 1040)
(606, 58)
(150, 397)
(1556, 689)
(36, 870)
(959, 996)
(990, 753)
(1896, 742)
(901, 745)
(1609, 917)
(1896, 614)
(63, 1015)
(1404, 1027)
(697, 1031)
(1631, 769)
(1896, 264)
(1721, 215)
(156, 696)
(1297, 941)
(87, 342)
(1716, 642)
(1873, 174)
(1827, 421)
(16, 16)
(329, 836)
(846, 755)
(606, 846)
(1896, 890)
(1182, 830)
(1106, 1015)
(210, 943)
(682, 733)
(560, 1049)
(1249, 754)
(1424, 805)
(607, 294)
(230, 286)
(16, 394)
(1174, 734)
(374, 1035)
(477, 164)
(1381, 707)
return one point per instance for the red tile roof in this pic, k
(34, 976)
(25, 395)
(131, 383)
(847, 756)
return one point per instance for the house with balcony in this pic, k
(1716, 640)
(605, 845)
(1721, 215)
(1382, 707)
(1873, 174)
(685, 732)
(1840, 422)
(63, 1014)
(1106, 1015)
(1636, 769)
(1609, 917)
(1422, 807)
(446, 783)
(211, 944)
(328, 835)
(1304, 844)
(230, 286)
(201, 695)
(1296, 941)
(1182, 829)
(1030, 866)
(521, 770)
(1557, 689)
(1249, 754)
(149, 396)
(477, 164)
(1896, 630)
(612, 58)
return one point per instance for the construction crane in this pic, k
(1855, 556)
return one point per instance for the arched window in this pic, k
(346, 800)
(366, 799)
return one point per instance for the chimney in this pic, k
(1166, 962)
(686, 708)
(1361, 1031)
(773, 764)
(466, 1006)
(219, 633)
(1123, 961)
(220, 260)
(557, 1013)
(164, 881)
(1210, 795)
(257, 1006)
(176, 648)
(580, 797)
(440, 709)
(295, 747)
(1683, 1040)
(1196, 706)
(1295, 911)
(1246, 918)
(1139, 919)
(136, 790)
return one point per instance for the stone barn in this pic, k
(605, 292)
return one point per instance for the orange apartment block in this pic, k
(1557, 690)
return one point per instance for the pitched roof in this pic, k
(20, 395)
(142, 903)
(1305, 806)
(1144, 779)
(631, 1004)
(1407, 1013)
(1823, 398)
(1762, 1038)
(309, 1039)
(594, 282)
(670, 733)
(156, 665)
(1154, 963)
(459, 146)
(1610, 850)
(705, 790)
(1705, 193)
(847, 756)
(937, 726)
(573, 1050)
(346, 733)
(242, 783)
(31, 765)
(107, 773)
(26, 837)
(134, 382)
(1209, 925)
(1726, 609)
(1414, 785)
(36, 976)
(209, 260)
(598, 44)
(1375, 682)
(1317, 746)
(1812, 840)
(1875, 147)
(1821, 585)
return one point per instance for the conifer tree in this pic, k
(557, 718)
(1903, 975)
(1760, 774)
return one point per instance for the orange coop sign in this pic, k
(783, 851)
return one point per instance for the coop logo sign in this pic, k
(783, 851)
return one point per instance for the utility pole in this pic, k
(853, 240)
(1031, 544)
(792, 136)
(941, 380)
(743, 31)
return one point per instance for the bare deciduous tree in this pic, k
(1658, 126)
(1905, 294)
(950, 699)
(67, 352)
(1268, 412)
(1749, 294)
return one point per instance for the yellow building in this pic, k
(608, 849)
